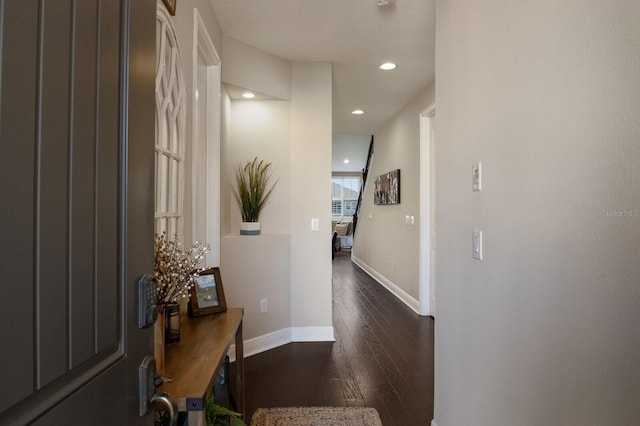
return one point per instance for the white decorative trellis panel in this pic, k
(170, 128)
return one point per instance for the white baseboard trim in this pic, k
(282, 337)
(397, 291)
(312, 334)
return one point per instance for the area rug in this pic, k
(316, 416)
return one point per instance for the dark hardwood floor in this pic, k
(382, 357)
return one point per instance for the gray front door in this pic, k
(76, 207)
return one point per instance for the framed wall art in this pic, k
(386, 188)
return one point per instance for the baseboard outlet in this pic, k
(386, 283)
(282, 337)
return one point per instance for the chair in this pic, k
(334, 237)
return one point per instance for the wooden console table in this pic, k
(194, 363)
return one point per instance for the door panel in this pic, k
(92, 406)
(76, 207)
(83, 238)
(16, 196)
(52, 211)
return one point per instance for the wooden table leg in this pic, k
(240, 372)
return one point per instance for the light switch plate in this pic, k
(315, 224)
(477, 245)
(476, 176)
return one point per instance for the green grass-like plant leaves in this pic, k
(217, 415)
(252, 191)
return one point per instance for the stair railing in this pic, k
(365, 172)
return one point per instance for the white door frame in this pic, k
(427, 212)
(206, 174)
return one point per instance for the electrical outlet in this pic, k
(263, 306)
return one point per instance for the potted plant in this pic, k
(214, 415)
(218, 415)
(174, 272)
(252, 192)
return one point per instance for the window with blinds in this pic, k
(344, 196)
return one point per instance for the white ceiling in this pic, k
(356, 36)
(354, 148)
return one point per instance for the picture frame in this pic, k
(386, 188)
(207, 295)
(171, 6)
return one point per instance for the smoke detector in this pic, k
(384, 2)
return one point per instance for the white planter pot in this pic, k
(250, 228)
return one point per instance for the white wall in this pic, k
(254, 268)
(295, 136)
(353, 147)
(545, 329)
(258, 267)
(259, 129)
(384, 245)
(311, 197)
(250, 68)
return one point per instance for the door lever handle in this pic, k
(170, 403)
(147, 391)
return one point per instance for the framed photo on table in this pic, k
(207, 295)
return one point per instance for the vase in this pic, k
(172, 323)
(158, 342)
(250, 228)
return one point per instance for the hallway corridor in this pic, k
(382, 357)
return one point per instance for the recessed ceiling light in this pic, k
(248, 95)
(357, 112)
(346, 161)
(388, 66)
